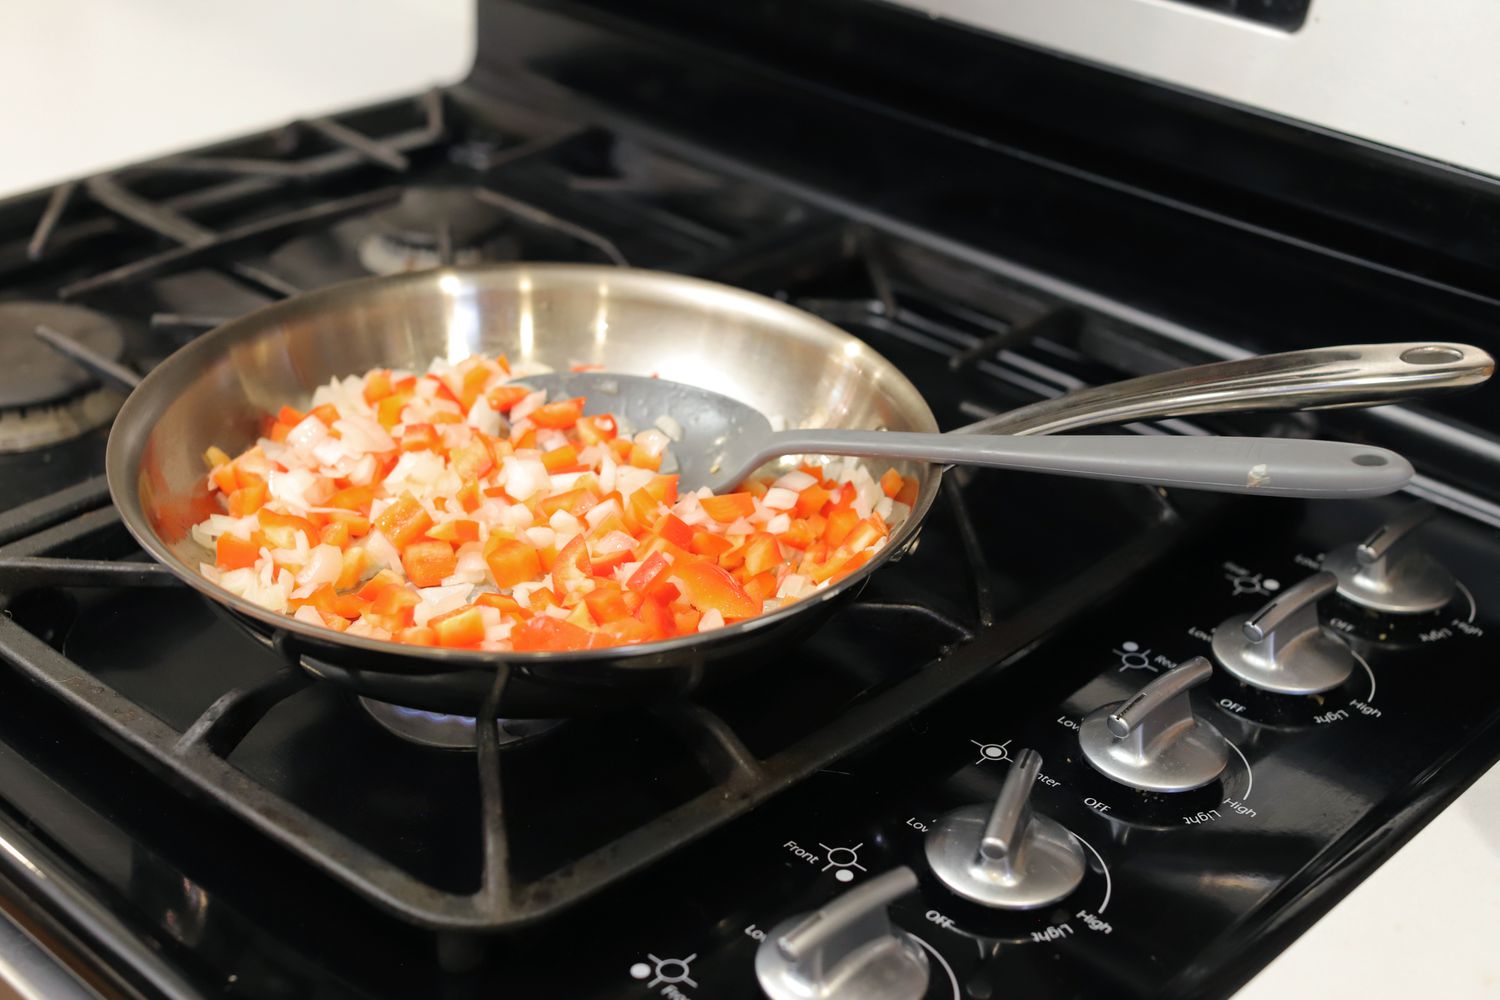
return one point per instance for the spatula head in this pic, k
(715, 428)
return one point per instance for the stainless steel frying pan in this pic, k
(783, 361)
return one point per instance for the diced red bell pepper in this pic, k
(388, 410)
(761, 587)
(687, 620)
(673, 529)
(572, 567)
(662, 488)
(357, 498)
(511, 562)
(420, 437)
(547, 634)
(377, 386)
(729, 507)
(650, 568)
(865, 533)
(404, 521)
(761, 553)
(353, 568)
(799, 536)
(891, 483)
(626, 632)
(233, 552)
(641, 457)
(811, 500)
(710, 545)
(471, 461)
(472, 384)
(908, 494)
(468, 497)
(576, 502)
(657, 618)
(606, 603)
(559, 415)
(427, 563)
(502, 398)
(246, 500)
(708, 587)
(334, 533)
(459, 530)
(281, 529)
(418, 635)
(503, 603)
(459, 628)
(564, 459)
(596, 429)
(840, 523)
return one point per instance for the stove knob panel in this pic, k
(1152, 740)
(1389, 571)
(1283, 647)
(1007, 856)
(847, 950)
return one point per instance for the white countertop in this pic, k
(103, 83)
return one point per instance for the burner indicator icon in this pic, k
(665, 971)
(1133, 657)
(844, 861)
(992, 753)
(1252, 583)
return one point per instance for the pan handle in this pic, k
(1322, 378)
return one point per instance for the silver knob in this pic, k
(1008, 856)
(1283, 647)
(1152, 740)
(848, 950)
(1390, 572)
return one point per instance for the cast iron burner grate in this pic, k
(37, 567)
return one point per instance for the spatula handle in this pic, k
(1356, 375)
(1287, 467)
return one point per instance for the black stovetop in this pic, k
(188, 813)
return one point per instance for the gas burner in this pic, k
(448, 732)
(433, 226)
(44, 397)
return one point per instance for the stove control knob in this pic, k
(1009, 856)
(848, 950)
(1390, 572)
(1152, 740)
(1283, 647)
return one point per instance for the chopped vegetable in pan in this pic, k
(460, 509)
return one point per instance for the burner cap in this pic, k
(448, 732)
(413, 234)
(33, 374)
(424, 213)
(44, 397)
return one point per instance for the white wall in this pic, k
(88, 84)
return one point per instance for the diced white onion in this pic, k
(779, 498)
(597, 513)
(615, 541)
(669, 426)
(307, 613)
(482, 418)
(796, 481)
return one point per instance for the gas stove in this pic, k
(185, 810)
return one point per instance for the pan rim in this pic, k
(130, 432)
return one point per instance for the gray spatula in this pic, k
(724, 441)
